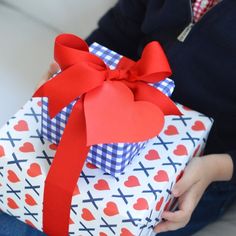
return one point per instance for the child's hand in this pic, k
(53, 68)
(199, 173)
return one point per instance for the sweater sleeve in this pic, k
(120, 28)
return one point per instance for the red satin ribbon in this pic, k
(120, 99)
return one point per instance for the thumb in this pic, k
(189, 178)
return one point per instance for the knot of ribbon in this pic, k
(111, 106)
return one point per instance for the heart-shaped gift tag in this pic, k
(112, 115)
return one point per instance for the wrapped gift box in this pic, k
(130, 204)
(111, 158)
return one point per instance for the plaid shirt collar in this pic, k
(200, 7)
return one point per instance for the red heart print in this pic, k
(196, 151)
(111, 209)
(21, 126)
(141, 204)
(181, 150)
(114, 107)
(152, 155)
(76, 191)
(198, 126)
(12, 177)
(167, 205)
(126, 232)
(27, 147)
(30, 200)
(102, 234)
(159, 204)
(91, 166)
(71, 222)
(186, 108)
(161, 176)
(179, 176)
(53, 147)
(87, 215)
(132, 182)
(39, 103)
(101, 185)
(171, 130)
(34, 170)
(2, 152)
(12, 204)
(28, 222)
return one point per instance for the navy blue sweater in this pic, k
(204, 65)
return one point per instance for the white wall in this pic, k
(77, 16)
(28, 29)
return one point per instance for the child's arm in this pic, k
(199, 173)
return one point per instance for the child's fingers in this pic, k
(177, 216)
(53, 68)
(189, 178)
(167, 226)
(173, 221)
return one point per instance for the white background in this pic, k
(27, 32)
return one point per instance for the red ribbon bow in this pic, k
(113, 106)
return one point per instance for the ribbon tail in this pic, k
(64, 173)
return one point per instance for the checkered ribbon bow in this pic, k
(112, 106)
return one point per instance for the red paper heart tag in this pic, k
(125, 120)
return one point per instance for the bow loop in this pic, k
(153, 66)
(70, 50)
